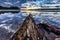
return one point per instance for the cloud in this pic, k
(9, 3)
(16, 2)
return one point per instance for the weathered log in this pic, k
(50, 28)
(32, 31)
(50, 32)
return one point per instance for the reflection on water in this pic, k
(9, 21)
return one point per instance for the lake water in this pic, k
(10, 21)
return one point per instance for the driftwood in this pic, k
(50, 32)
(50, 28)
(32, 31)
(28, 30)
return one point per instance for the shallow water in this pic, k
(9, 21)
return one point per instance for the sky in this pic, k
(9, 3)
(12, 2)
